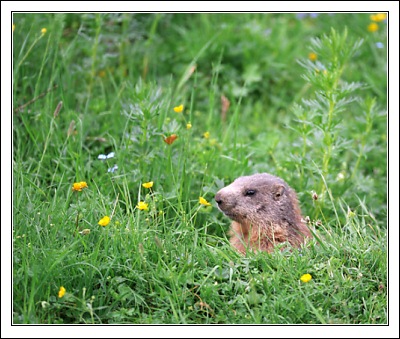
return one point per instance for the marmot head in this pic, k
(259, 199)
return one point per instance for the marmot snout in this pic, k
(265, 212)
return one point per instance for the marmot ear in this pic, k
(278, 191)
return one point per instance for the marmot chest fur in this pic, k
(265, 212)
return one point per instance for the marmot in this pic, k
(265, 212)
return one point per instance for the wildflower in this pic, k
(373, 27)
(104, 221)
(306, 278)
(102, 73)
(169, 140)
(112, 169)
(61, 292)
(44, 30)
(142, 206)
(178, 109)
(379, 45)
(105, 157)
(378, 17)
(312, 56)
(204, 202)
(148, 184)
(188, 125)
(79, 186)
(13, 27)
(206, 135)
(86, 231)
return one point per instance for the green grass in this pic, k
(320, 125)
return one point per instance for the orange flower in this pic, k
(79, 186)
(169, 140)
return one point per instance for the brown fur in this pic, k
(265, 212)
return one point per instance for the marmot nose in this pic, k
(218, 198)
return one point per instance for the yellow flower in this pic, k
(61, 292)
(142, 206)
(44, 30)
(83, 184)
(378, 17)
(13, 27)
(206, 135)
(148, 184)
(104, 221)
(306, 278)
(178, 109)
(188, 125)
(78, 186)
(312, 56)
(373, 27)
(204, 202)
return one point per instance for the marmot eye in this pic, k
(249, 193)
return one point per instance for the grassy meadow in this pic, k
(122, 122)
